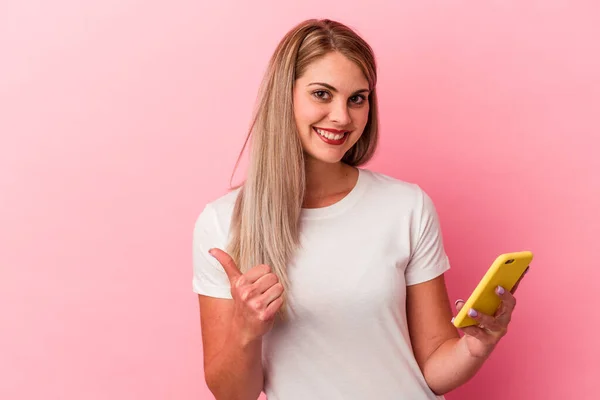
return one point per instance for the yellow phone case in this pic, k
(505, 271)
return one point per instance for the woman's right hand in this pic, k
(257, 296)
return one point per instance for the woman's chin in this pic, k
(327, 158)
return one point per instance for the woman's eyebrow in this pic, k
(328, 86)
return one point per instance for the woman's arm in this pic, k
(232, 330)
(447, 360)
(232, 363)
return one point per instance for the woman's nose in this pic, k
(340, 115)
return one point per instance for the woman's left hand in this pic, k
(481, 340)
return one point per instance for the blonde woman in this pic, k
(319, 279)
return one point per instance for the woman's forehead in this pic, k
(335, 70)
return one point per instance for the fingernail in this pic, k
(456, 302)
(500, 290)
(472, 313)
(452, 320)
(211, 252)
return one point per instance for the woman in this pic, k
(326, 279)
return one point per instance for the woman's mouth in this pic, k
(335, 138)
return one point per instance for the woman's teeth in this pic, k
(329, 135)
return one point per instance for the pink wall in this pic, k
(120, 119)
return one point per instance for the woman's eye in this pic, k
(321, 94)
(358, 99)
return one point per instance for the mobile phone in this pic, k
(506, 271)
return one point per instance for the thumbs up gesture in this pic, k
(257, 296)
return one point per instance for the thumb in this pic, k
(228, 264)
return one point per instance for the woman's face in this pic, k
(331, 107)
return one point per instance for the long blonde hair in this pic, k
(265, 222)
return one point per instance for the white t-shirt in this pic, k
(348, 338)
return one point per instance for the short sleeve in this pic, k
(209, 277)
(428, 257)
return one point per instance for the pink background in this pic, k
(120, 119)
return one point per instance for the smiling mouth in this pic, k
(332, 138)
(335, 136)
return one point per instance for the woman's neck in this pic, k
(327, 183)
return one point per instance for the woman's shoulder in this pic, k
(392, 193)
(216, 213)
(386, 184)
(225, 202)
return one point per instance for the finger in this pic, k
(270, 311)
(485, 321)
(265, 282)
(475, 331)
(270, 295)
(232, 271)
(245, 284)
(504, 313)
(458, 304)
(255, 273)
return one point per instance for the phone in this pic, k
(506, 271)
